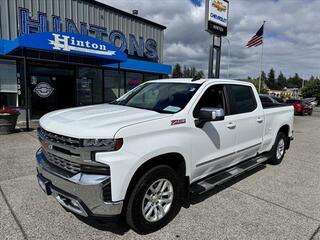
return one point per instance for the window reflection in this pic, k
(133, 80)
(113, 85)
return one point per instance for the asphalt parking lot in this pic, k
(275, 202)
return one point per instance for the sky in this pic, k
(291, 43)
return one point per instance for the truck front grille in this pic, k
(63, 163)
(56, 138)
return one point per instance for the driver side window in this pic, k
(213, 97)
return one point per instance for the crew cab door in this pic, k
(249, 118)
(214, 144)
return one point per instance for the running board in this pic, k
(226, 175)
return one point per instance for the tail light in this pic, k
(299, 107)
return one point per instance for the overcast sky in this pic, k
(292, 34)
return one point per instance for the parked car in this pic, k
(301, 106)
(313, 101)
(270, 99)
(144, 154)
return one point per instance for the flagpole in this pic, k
(261, 62)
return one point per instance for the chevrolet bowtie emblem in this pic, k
(219, 6)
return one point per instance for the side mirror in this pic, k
(208, 114)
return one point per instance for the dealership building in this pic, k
(57, 54)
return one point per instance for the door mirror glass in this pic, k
(211, 114)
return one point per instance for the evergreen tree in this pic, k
(312, 89)
(176, 73)
(187, 72)
(271, 83)
(282, 81)
(295, 81)
(200, 74)
(264, 77)
(193, 72)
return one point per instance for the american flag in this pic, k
(257, 39)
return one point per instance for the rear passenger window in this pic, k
(265, 99)
(243, 99)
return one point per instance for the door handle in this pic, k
(231, 125)
(260, 120)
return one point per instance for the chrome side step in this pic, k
(226, 175)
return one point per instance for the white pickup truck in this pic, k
(142, 155)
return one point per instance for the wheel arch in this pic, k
(286, 130)
(173, 159)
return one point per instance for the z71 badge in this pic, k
(177, 122)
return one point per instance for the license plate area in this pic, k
(44, 184)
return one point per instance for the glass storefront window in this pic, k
(149, 76)
(89, 86)
(133, 80)
(113, 85)
(8, 99)
(8, 83)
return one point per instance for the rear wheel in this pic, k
(155, 200)
(279, 149)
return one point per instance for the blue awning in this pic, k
(143, 66)
(67, 43)
(80, 45)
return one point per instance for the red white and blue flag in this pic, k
(257, 39)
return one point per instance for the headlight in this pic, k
(105, 144)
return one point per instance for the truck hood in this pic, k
(98, 121)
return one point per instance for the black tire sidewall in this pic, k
(134, 215)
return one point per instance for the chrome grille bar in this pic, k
(63, 163)
(56, 138)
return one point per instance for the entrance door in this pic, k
(43, 95)
(51, 89)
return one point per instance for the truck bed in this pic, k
(274, 105)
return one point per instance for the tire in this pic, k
(310, 113)
(279, 149)
(135, 217)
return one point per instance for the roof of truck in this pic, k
(200, 81)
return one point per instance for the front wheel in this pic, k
(279, 149)
(155, 200)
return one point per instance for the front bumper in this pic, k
(81, 194)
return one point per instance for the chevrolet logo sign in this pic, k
(219, 6)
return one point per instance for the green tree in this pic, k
(200, 74)
(255, 82)
(177, 73)
(263, 77)
(281, 81)
(271, 83)
(312, 89)
(295, 81)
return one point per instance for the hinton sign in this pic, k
(141, 48)
(70, 43)
(67, 43)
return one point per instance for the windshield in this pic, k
(159, 97)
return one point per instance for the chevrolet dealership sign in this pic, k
(217, 12)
